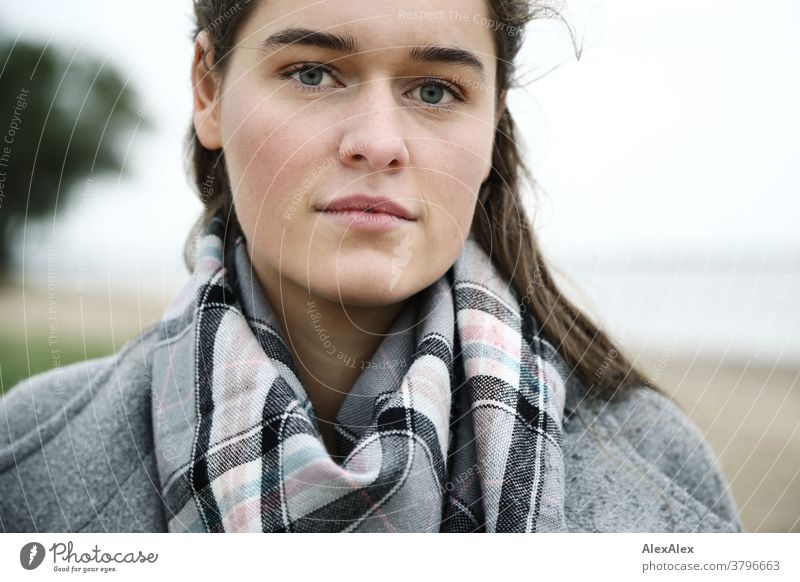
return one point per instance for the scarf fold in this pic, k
(454, 425)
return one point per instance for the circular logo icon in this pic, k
(31, 555)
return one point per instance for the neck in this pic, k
(330, 342)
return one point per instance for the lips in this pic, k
(369, 204)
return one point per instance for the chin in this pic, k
(367, 287)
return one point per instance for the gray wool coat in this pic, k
(76, 455)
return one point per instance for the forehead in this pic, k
(381, 25)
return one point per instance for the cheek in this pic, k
(269, 160)
(452, 184)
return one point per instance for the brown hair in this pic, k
(500, 224)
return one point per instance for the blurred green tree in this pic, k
(62, 118)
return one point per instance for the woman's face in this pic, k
(381, 118)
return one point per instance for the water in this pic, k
(735, 307)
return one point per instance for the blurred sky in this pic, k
(670, 148)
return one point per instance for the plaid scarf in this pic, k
(454, 425)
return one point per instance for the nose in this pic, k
(373, 135)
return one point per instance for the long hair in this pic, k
(500, 225)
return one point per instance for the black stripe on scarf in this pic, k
(214, 302)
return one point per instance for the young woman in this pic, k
(371, 339)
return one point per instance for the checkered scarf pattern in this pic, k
(454, 426)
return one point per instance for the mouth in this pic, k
(368, 204)
(365, 212)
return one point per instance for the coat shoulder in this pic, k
(74, 438)
(32, 406)
(638, 463)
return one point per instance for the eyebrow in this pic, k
(348, 45)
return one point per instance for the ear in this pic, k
(206, 88)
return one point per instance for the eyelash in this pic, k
(454, 90)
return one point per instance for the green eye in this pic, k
(311, 76)
(432, 93)
(435, 93)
